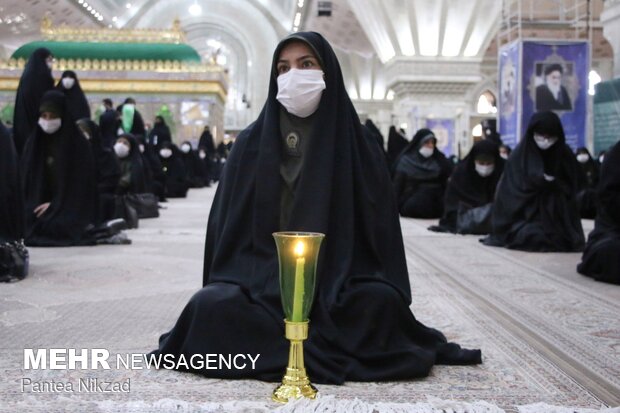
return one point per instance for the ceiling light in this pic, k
(89, 8)
(100, 18)
(128, 5)
(195, 9)
(114, 19)
(80, 1)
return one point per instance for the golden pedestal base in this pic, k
(295, 383)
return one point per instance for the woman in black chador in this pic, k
(396, 143)
(586, 198)
(160, 133)
(153, 171)
(471, 188)
(58, 171)
(194, 166)
(77, 104)
(421, 176)
(174, 169)
(133, 178)
(107, 169)
(35, 81)
(11, 210)
(601, 258)
(286, 173)
(375, 132)
(206, 153)
(535, 207)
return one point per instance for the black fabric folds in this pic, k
(59, 168)
(109, 124)
(420, 182)
(376, 133)
(466, 188)
(35, 81)
(361, 325)
(534, 212)
(174, 171)
(396, 144)
(11, 197)
(195, 168)
(77, 104)
(137, 182)
(586, 198)
(601, 258)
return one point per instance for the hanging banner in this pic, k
(555, 78)
(606, 115)
(509, 93)
(444, 132)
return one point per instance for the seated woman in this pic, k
(586, 198)
(601, 258)
(194, 166)
(174, 170)
(469, 197)
(155, 177)
(12, 267)
(133, 179)
(107, 169)
(60, 184)
(535, 206)
(420, 178)
(286, 173)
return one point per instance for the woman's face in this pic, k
(49, 115)
(429, 144)
(296, 55)
(124, 142)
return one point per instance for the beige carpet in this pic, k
(547, 334)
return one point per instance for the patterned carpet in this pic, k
(547, 334)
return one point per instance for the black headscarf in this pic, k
(414, 165)
(601, 259)
(138, 182)
(76, 100)
(375, 132)
(160, 133)
(73, 200)
(11, 197)
(35, 81)
(530, 212)
(466, 186)
(109, 123)
(107, 169)
(396, 144)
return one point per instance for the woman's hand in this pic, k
(40, 210)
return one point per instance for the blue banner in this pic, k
(509, 93)
(444, 132)
(555, 77)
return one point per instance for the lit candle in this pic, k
(298, 295)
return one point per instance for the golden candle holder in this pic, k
(297, 255)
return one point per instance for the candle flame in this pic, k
(299, 248)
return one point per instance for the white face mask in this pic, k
(426, 152)
(583, 158)
(601, 158)
(186, 148)
(484, 170)
(165, 153)
(504, 155)
(121, 150)
(50, 65)
(50, 126)
(202, 155)
(300, 91)
(68, 82)
(544, 143)
(86, 135)
(141, 147)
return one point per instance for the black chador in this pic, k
(535, 208)
(160, 133)
(195, 168)
(58, 169)
(133, 177)
(11, 199)
(396, 144)
(35, 81)
(77, 105)
(107, 169)
(361, 325)
(601, 258)
(174, 171)
(375, 132)
(470, 191)
(420, 180)
(586, 198)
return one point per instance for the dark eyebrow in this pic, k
(308, 56)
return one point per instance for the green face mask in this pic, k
(128, 112)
